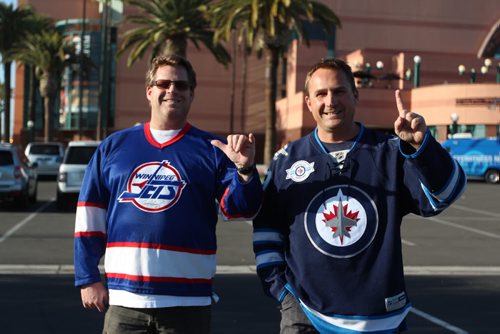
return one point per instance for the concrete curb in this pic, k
(67, 269)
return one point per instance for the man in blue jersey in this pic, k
(147, 204)
(327, 239)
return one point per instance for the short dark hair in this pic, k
(170, 60)
(332, 64)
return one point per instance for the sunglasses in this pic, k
(178, 84)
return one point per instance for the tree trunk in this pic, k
(272, 58)
(244, 72)
(233, 84)
(46, 119)
(48, 90)
(8, 93)
(32, 100)
(175, 46)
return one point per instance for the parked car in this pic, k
(71, 171)
(48, 156)
(18, 176)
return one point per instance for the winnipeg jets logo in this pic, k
(153, 187)
(341, 221)
(300, 171)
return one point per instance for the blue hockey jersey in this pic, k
(151, 209)
(329, 232)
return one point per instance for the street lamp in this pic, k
(408, 74)
(472, 73)
(454, 126)
(488, 63)
(416, 79)
(365, 76)
(31, 127)
(498, 72)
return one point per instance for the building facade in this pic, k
(443, 33)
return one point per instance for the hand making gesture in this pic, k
(409, 126)
(240, 149)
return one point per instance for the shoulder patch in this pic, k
(300, 171)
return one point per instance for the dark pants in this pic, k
(166, 320)
(293, 319)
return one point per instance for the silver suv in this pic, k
(71, 171)
(18, 176)
(48, 156)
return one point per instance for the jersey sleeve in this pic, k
(90, 223)
(237, 199)
(433, 178)
(269, 240)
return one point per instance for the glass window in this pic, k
(45, 149)
(6, 158)
(79, 155)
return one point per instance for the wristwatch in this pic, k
(246, 170)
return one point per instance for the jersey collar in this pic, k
(152, 141)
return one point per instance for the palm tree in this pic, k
(14, 24)
(166, 26)
(49, 54)
(37, 24)
(268, 26)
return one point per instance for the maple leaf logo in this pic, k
(341, 222)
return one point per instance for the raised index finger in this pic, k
(399, 104)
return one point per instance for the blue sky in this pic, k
(9, 1)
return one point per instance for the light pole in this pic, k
(31, 127)
(498, 72)
(416, 78)
(454, 126)
(487, 65)
(472, 73)
(367, 81)
(408, 74)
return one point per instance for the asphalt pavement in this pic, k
(451, 263)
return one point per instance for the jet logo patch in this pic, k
(153, 187)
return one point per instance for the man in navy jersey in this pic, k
(327, 240)
(148, 205)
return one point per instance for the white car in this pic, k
(71, 171)
(48, 156)
(18, 176)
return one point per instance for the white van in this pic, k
(71, 171)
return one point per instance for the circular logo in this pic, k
(300, 170)
(153, 187)
(341, 221)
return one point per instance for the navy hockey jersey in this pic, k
(329, 232)
(151, 209)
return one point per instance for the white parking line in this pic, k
(408, 243)
(437, 321)
(24, 221)
(481, 212)
(470, 229)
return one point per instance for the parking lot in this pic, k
(452, 266)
